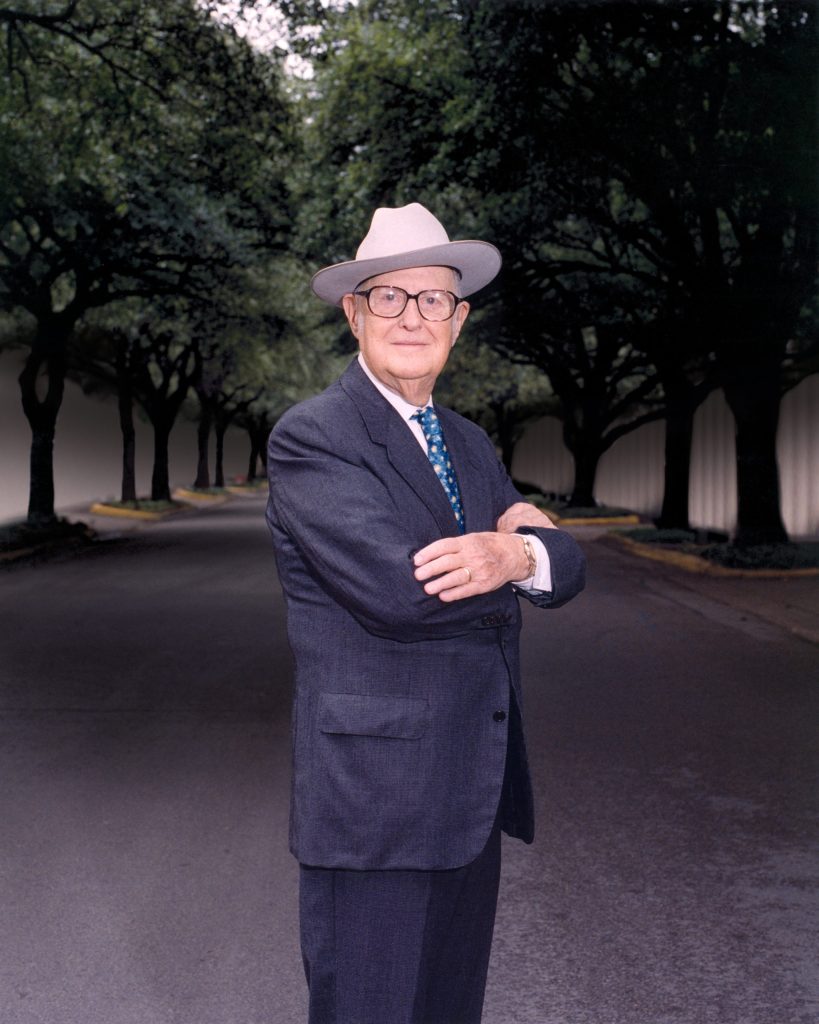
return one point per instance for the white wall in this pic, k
(88, 449)
(798, 452)
(87, 456)
(712, 499)
(541, 457)
(631, 472)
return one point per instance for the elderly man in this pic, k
(402, 548)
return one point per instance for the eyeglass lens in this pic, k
(433, 304)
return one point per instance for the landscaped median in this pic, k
(18, 540)
(573, 515)
(149, 511)
(681, 548)
(581, 517)
(184, 499)
(696, 551)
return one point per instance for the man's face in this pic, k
(406, 352)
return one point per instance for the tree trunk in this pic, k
(42, 418)
(219, 475)
(126, 425)
(261, 441)
(586, 459)
(125, 401)
(507, 434)
(753, 395)
(679, 431)
(160, 479)
(202, 480)
(253, 460)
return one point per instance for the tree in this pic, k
(407, 135)
(285, 346)
(110, 190)
(672, 144)
(661, 151)
(245, 361)
(152, 358)
(502, 396)
(372, 114)
(226, 389)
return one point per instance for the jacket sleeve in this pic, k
(566, 558)
(568, 565)
(343, 521)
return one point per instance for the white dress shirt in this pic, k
(542, 578)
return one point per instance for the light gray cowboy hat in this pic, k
(408, 236)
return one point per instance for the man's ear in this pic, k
(458, 320)
(349, 306)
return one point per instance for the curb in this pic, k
(101, 509)
(693, 563)
(186, 494)
(629, 520)
(245, 492)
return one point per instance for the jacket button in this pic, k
(499, 716)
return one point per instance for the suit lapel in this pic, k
(386, 428)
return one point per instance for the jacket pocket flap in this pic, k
(356, 714)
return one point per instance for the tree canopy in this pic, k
(647, 167)
(143, 152)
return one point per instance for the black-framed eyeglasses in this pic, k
(434, 304)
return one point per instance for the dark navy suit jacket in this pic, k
(403, 703)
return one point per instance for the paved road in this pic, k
(144, 875)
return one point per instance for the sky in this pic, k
(263, 24)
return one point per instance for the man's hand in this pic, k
(523, 514)
(491, 559)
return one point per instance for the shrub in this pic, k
(21, 535)
(597, 512)
(764, 556)
(653, 535)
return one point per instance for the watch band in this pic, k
(530, 555)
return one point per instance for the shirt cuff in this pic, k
(542, 579)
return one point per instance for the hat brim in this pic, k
(476, 262)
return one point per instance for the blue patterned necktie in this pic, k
(439, 457)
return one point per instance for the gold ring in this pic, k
(468, 572)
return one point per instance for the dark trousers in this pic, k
(399, 947)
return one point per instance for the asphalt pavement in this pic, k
(673, 726)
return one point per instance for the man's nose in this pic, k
(411, 316)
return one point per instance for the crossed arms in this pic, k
(493, 559)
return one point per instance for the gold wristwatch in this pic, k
(530, 555)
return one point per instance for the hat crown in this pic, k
(400, 230)
(403, 237)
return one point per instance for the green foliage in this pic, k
(162, 506)
(374, 115)
(143, 152)
(21, 538)
(647, 168)
(764, 556)
(500, 395)
(650, 535)
(756, 556)
(569, 511)
(142, 170)
(564, 509)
